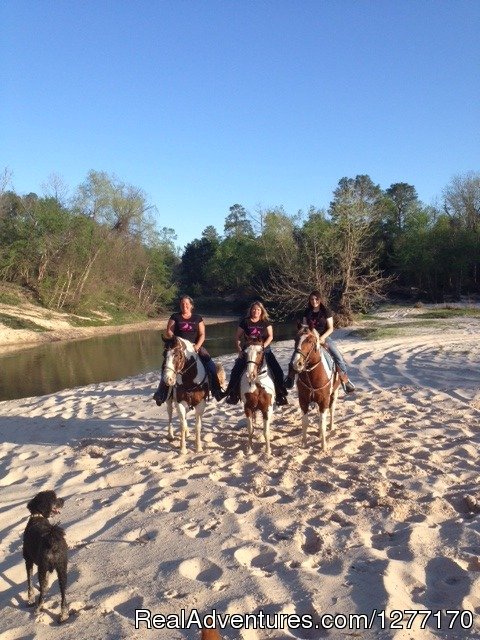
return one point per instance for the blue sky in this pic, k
(205, 104)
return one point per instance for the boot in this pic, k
(348, 386)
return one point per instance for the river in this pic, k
(54, 366)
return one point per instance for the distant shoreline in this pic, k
(16, 339)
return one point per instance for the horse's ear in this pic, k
(311, 325)
(169, 342)
(299, 325)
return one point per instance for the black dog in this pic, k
(44, 545)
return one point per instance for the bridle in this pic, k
(306, 370)
(180, 369)
(307, 357)
(258, 362)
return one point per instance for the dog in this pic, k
(44, 545)
(210, 634)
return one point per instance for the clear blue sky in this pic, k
(208, 103)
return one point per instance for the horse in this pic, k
(185, 374)
(257, 392)
(315, 383)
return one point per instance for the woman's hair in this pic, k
(318, 295)
(185, 297)
(263, 311)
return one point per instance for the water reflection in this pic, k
(62, 365)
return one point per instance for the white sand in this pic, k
(380, 522)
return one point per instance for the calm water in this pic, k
(63, 365)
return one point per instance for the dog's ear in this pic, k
(44, 503)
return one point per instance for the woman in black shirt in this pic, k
(320, 317)
(190, 326)
(255, 325)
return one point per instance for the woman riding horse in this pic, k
(255, 326)
(190, 326)
(320, 317)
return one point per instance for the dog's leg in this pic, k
(62, 582)
(43, 582)
(31, 592)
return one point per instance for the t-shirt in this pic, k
(318, 318)
(254, 330)
(187, 329)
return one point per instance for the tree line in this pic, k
(102, 246)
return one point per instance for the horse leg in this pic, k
(322, 432)
(304, 429)
(267, 419)
(250, 423)
(199, 409)
(333, 404)
(170, 435)
(182, 414)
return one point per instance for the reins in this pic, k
(181, 371)
(311, 368)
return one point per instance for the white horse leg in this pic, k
(323, 429)
(170, 435)
(199, 409)
(304, 429)
(266, 430)
(182, 414)
(250, 434)
(332, 409)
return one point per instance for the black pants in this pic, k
(240, 366)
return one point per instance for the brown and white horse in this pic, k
(185, 373)
(257, 392)
(315, 383)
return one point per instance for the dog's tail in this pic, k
(55, 538)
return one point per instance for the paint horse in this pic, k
(318, 381)
(185, 374)
(257, 392)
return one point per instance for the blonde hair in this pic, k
(263, 311)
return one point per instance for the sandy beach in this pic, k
(387, 521)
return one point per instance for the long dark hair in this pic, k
(317, 295)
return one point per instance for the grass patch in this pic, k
(6, 297)
(20, 323)
(379, 332)
(469, 312)
(117, 318)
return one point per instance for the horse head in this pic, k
(175, 359)
(254, 355)
(307, 344)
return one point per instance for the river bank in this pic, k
(51, 326)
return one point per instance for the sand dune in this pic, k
(388, 520)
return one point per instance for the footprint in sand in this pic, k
(257, 559)
(238, 506)
(124, 603)
(172, 505)
(201, 569)
(312, 541)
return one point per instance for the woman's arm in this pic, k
(169, 329)
(328, 330)
(238, 339)
(200, 336)
(269, 337)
